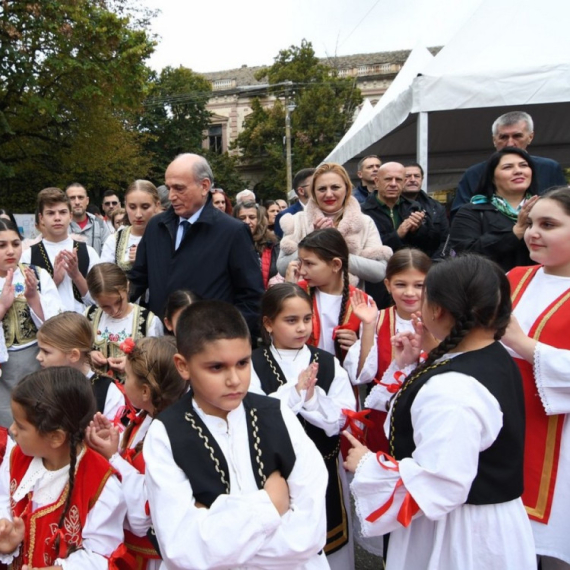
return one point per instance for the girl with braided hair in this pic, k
(322, 268)
(152, 384)
(314, 385)
(61, 504)
(450, 490)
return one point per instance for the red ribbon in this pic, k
(122, 559)
(399, 376)
(409, 506)
(352, 418)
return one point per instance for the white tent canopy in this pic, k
(389, 112)
(507, 56)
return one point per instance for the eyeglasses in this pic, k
(114, 203)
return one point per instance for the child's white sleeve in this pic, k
(226, 535)
(302, 534)
(114, 401)
(49, 298)
(324, 410)
(103, 531)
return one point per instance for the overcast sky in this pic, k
(214, 35)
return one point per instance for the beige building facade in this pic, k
(233, 90)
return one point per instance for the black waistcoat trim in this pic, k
(500, 473)
(271, 377)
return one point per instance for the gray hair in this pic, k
(242, 196)
(200, 168)
(512, 118)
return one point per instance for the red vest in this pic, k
(350, 321)
(139, 548)
(543, 433)
(38, 548)
(386, 329)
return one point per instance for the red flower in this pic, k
(127, 345)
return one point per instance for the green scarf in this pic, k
(501, 204)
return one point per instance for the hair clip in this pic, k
(127, 345)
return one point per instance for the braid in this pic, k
(459, 331)
(74, 440)
(343, 305)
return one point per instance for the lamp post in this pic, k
(290, 107)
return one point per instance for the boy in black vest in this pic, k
(232, 478)
(66, 260)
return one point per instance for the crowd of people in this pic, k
(188, 382)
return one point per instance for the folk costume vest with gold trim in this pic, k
(19, 327)
(271, 377)
(39, 257)
(197, 453)
(38, 548)
(121, 247)
(543, 432)
(142, 319)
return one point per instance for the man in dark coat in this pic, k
(511, 129)
(192, 245)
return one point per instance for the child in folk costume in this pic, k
(538, 339)
(323, 269)
(28, 296)
(314, 385)
(142, 202)
(152, 384)
(66, 340)
(450, 492)
(66, 260)
(61, 504)
(114, 319)
(233, 481)
(176, 303)
(369, 357)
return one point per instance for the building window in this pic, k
(215, 139)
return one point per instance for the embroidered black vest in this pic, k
(40, 258)
(500, 473)
(197, 453)
(271, 377)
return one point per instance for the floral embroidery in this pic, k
(113, 336)
(72, 526)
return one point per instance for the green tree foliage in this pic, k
(175, 116)
(72, 76)
(325, 106)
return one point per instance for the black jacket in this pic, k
(420, 239)
(481, 228)
(438, 226)
(216, 260)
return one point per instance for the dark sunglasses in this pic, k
(110, 203)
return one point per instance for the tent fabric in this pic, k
(507, 56)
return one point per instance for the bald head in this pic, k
(390, 182)
(188, 179)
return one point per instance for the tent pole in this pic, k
(422, 145)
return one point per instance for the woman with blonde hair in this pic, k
(141, 203)
(331, 204)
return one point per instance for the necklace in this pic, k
(281, 357)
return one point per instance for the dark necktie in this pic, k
(185, 227)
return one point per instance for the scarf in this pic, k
(501, 205)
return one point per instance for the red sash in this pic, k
(350, 321)
(38, 549)
(138, 548)
(543, 433)
(386, 329)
